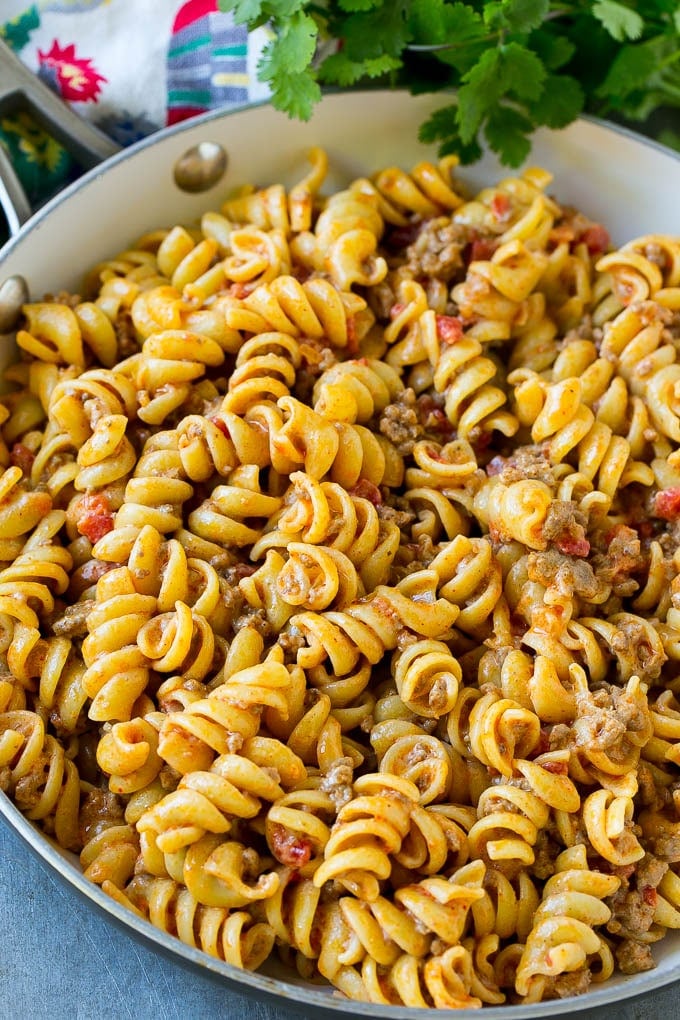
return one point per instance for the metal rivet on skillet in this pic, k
(200, 167)
(13, 294)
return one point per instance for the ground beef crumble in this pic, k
(526, 462)
(565, 985)
(631, 645)
(568, 574)
(337, 782)
(72, 621)
(400, 423)
(605, 716)
(666, 845)
(99, 811)
(316, 359)
(633, 957)
(622, 559)
(633, 907)
(402, 518)
(291, 641)
(126, 335)
(565, 526)
(257, 619)
(438, 249)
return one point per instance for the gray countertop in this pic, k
(59, 958)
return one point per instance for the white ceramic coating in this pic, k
(611, 175)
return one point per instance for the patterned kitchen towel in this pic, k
(130, 66)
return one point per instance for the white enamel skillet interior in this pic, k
(629, 184)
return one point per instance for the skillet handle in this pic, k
(20, 89)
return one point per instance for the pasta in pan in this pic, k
(339, 581)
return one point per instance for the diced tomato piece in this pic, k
(436, 456)
(22, 457)
(667, 504)
(93, 516)
(571, 545)
(482, 442)
(439, 423)
(221, 425)
(500, 205)
(288, 848)
(481, 249)
(449, 328)
(433, 418)
(596, 239)
(649, 895)
(367, 490)
(556, 768)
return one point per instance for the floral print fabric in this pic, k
(129, 66)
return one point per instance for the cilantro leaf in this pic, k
(439, 124)
(441, 127)
(516, 15)
(245, 11)
(340, 70)
(523, 72)
(434, 21)
(670, 138)
(257, 12)
(358, 5)
(554, 50)
(296, 94)
(560, 102)
(373, 33)
(507, 132)
(292, 51)
(281, 10)
(621, 22)
(514, 64)
(630, 69)
(493, 15)
(481, 89)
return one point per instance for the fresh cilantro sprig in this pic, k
(512, 65)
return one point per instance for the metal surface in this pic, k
(200, 167)
(310, 1000)
(65, 961)
(136, 191)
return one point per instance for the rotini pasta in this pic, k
(340, 585)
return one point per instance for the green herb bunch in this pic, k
(515, 65)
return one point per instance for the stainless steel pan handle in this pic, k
(20, 89)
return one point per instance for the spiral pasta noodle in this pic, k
(340, 585)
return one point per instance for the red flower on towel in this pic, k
(74, 76)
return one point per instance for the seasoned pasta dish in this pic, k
(340, 585)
